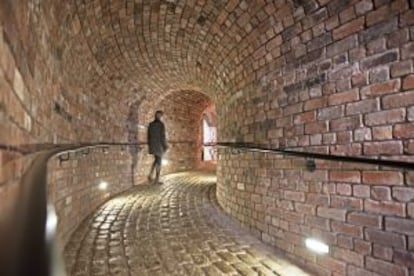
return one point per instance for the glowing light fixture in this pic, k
(51, 222)
(317, 246)
(103, 185)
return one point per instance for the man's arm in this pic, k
(163, 138)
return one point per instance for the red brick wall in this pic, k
(74, 178)
(41, 103)
(55, 89)
(182, 118)
(365, 214)
(329, 76)
(333, 78)
(340, 83)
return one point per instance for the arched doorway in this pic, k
(209, 134)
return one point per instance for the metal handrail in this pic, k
(260, 148)
(34, 148)
(25, 247)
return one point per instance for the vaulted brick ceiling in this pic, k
(152, 47)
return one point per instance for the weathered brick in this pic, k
(384, 207)
(344, 241)
(399, 225)
(344, 189)
(382, 133)
(382, 252)
(404, 258)
(380, 59)
(348, 256)
(316, 139)
(386, 148)
(356, 54)
(333, 265)
(295, 196)
(362, 247)
(401, 68)
(317, 222)
(385, 268)
(344, 137)
(404, 131)
(346, 202)
(409, 178)
(409, 147)
(346, 123)
(378, 30)
(353, 149)
(357, 271)
(385, 117)
(315, 103)
(359, 79)
(306, 209)
(349, 28)
(342, 46)
(343, 97)
(379, 89)
(398, 38)
(329, 138)
(330, 112)
(385, 238)
(378, 15)
(379, 75)
(363, 7)
(408, 82)
(364, 106)
(398, 100)
(332, 213)
(403, 194)
(361, 191)
(347, 229)
(319, 42)
(407, 18)
(316, 127)
(347, 15)
(364, 219)
(305, 117)
(407, 51)
(410, 113)
(345, 176)
(383, 177)
(381, 193)
(363, 134)
(376, 46)
(317, 199)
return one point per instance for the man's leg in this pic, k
(157, 168)
(152, 168)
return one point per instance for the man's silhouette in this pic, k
(157, 144)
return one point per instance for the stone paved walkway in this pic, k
(172, 229)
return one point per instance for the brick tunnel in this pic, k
(308, 170)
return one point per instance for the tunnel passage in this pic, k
(326, 76)
(172, 229)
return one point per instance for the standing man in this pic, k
(157, 145)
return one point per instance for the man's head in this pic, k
(159, 114)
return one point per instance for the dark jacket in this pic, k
(157, 144)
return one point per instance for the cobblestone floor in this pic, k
(170, 229)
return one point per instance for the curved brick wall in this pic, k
(335, 79)
(329, 76)
(52, 91)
